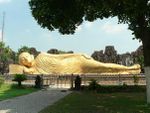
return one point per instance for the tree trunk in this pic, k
(19, 83)
(146, 52)
(3, 68)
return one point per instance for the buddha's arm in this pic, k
(64, 56)
(29, 70)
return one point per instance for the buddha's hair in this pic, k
(22, 56)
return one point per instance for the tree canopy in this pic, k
(67, 15)
(30, 50)
(6, 55)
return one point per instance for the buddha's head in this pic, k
(26, 59)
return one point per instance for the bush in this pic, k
(78, 83)
(38, 82)
(93, 85)
(136, 80)
(19, 78)
(1, 81)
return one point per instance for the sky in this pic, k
(21, 29)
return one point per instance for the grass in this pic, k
(9, 91)
(91, 102)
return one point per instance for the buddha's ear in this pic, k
(23, 60)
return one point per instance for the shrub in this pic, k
(38, 82)
(19, 78)
(93, 85)
(78, 83)
(1, 81)
(136, 80)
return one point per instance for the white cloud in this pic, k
(79, 28)
(28, 31)
(46, 36)
(88, 24)
(148, 3)
(4, 1)
(113, 28)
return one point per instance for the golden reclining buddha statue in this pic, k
(46, 63)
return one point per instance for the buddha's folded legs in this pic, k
(92, 66)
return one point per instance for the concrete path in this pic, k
(32, 103)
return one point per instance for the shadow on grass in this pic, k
(12, 90)
(93, 102)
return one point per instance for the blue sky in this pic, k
(22, 29)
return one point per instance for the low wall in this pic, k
(61, 81)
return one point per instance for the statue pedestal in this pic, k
(15, 69)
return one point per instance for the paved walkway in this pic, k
(33, 102)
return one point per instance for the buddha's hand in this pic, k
(27, 70)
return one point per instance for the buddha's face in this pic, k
(26, 59)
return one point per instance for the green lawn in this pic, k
(90, 102)
(9, 91)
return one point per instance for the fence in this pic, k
(67, 81)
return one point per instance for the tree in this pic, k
(23, 49)
(108, 56)
(19, 78)
(30, 50)
(77, 83)
(38, 82)
(140, 60)
(5, 57)
(56, 51)
(67, 15)
(14, 57)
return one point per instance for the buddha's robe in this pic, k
(78, 64)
